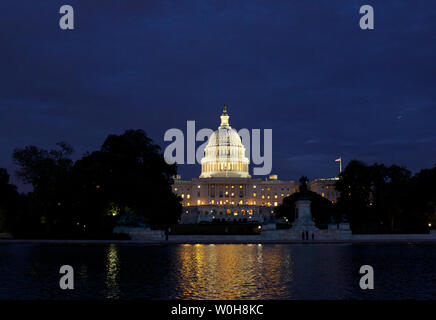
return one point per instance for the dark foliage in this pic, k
(86, 198)
(384, 199)
(9, 201)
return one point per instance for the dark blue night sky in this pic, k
(302, 68)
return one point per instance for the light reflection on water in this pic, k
(112, 272)
(231, 271)
(221, 271)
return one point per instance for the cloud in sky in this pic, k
(302, 68)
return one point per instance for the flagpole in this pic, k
(340, 164)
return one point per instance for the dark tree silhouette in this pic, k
(9, 200)
(421, 207)
(49, 173)
(128, 174)
(86, 198)
(379, 199)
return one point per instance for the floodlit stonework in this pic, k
(225, 190)
(325, 187)
(224, 155)
(231, 199)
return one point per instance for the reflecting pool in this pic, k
(221, 271)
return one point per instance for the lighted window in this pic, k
(240, 187)
(233, 187)
(275, 204)
(212, 201)
(228, 211)
(254, 195)
(183, 196)
(175, 189)
(263, 197)
(254, 187)
(275, 196)
(198, 186)
(198, 201)
(241, 202)
(188, 196)
(322, 194)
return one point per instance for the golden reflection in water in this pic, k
(232, 271)
(112, 272)
(83, 273)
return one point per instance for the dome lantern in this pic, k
(224, 119)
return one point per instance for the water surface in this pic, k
(222, 271)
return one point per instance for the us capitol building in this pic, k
(225, 191)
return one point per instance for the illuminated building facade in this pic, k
(231, 199)
(325, 187)
(225, 190)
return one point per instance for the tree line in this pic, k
(85, 198)
(128, 176)
(375, 199)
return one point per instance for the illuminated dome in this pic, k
(224, 155)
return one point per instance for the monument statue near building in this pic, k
(303, 214)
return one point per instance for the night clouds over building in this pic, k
(306, 70)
